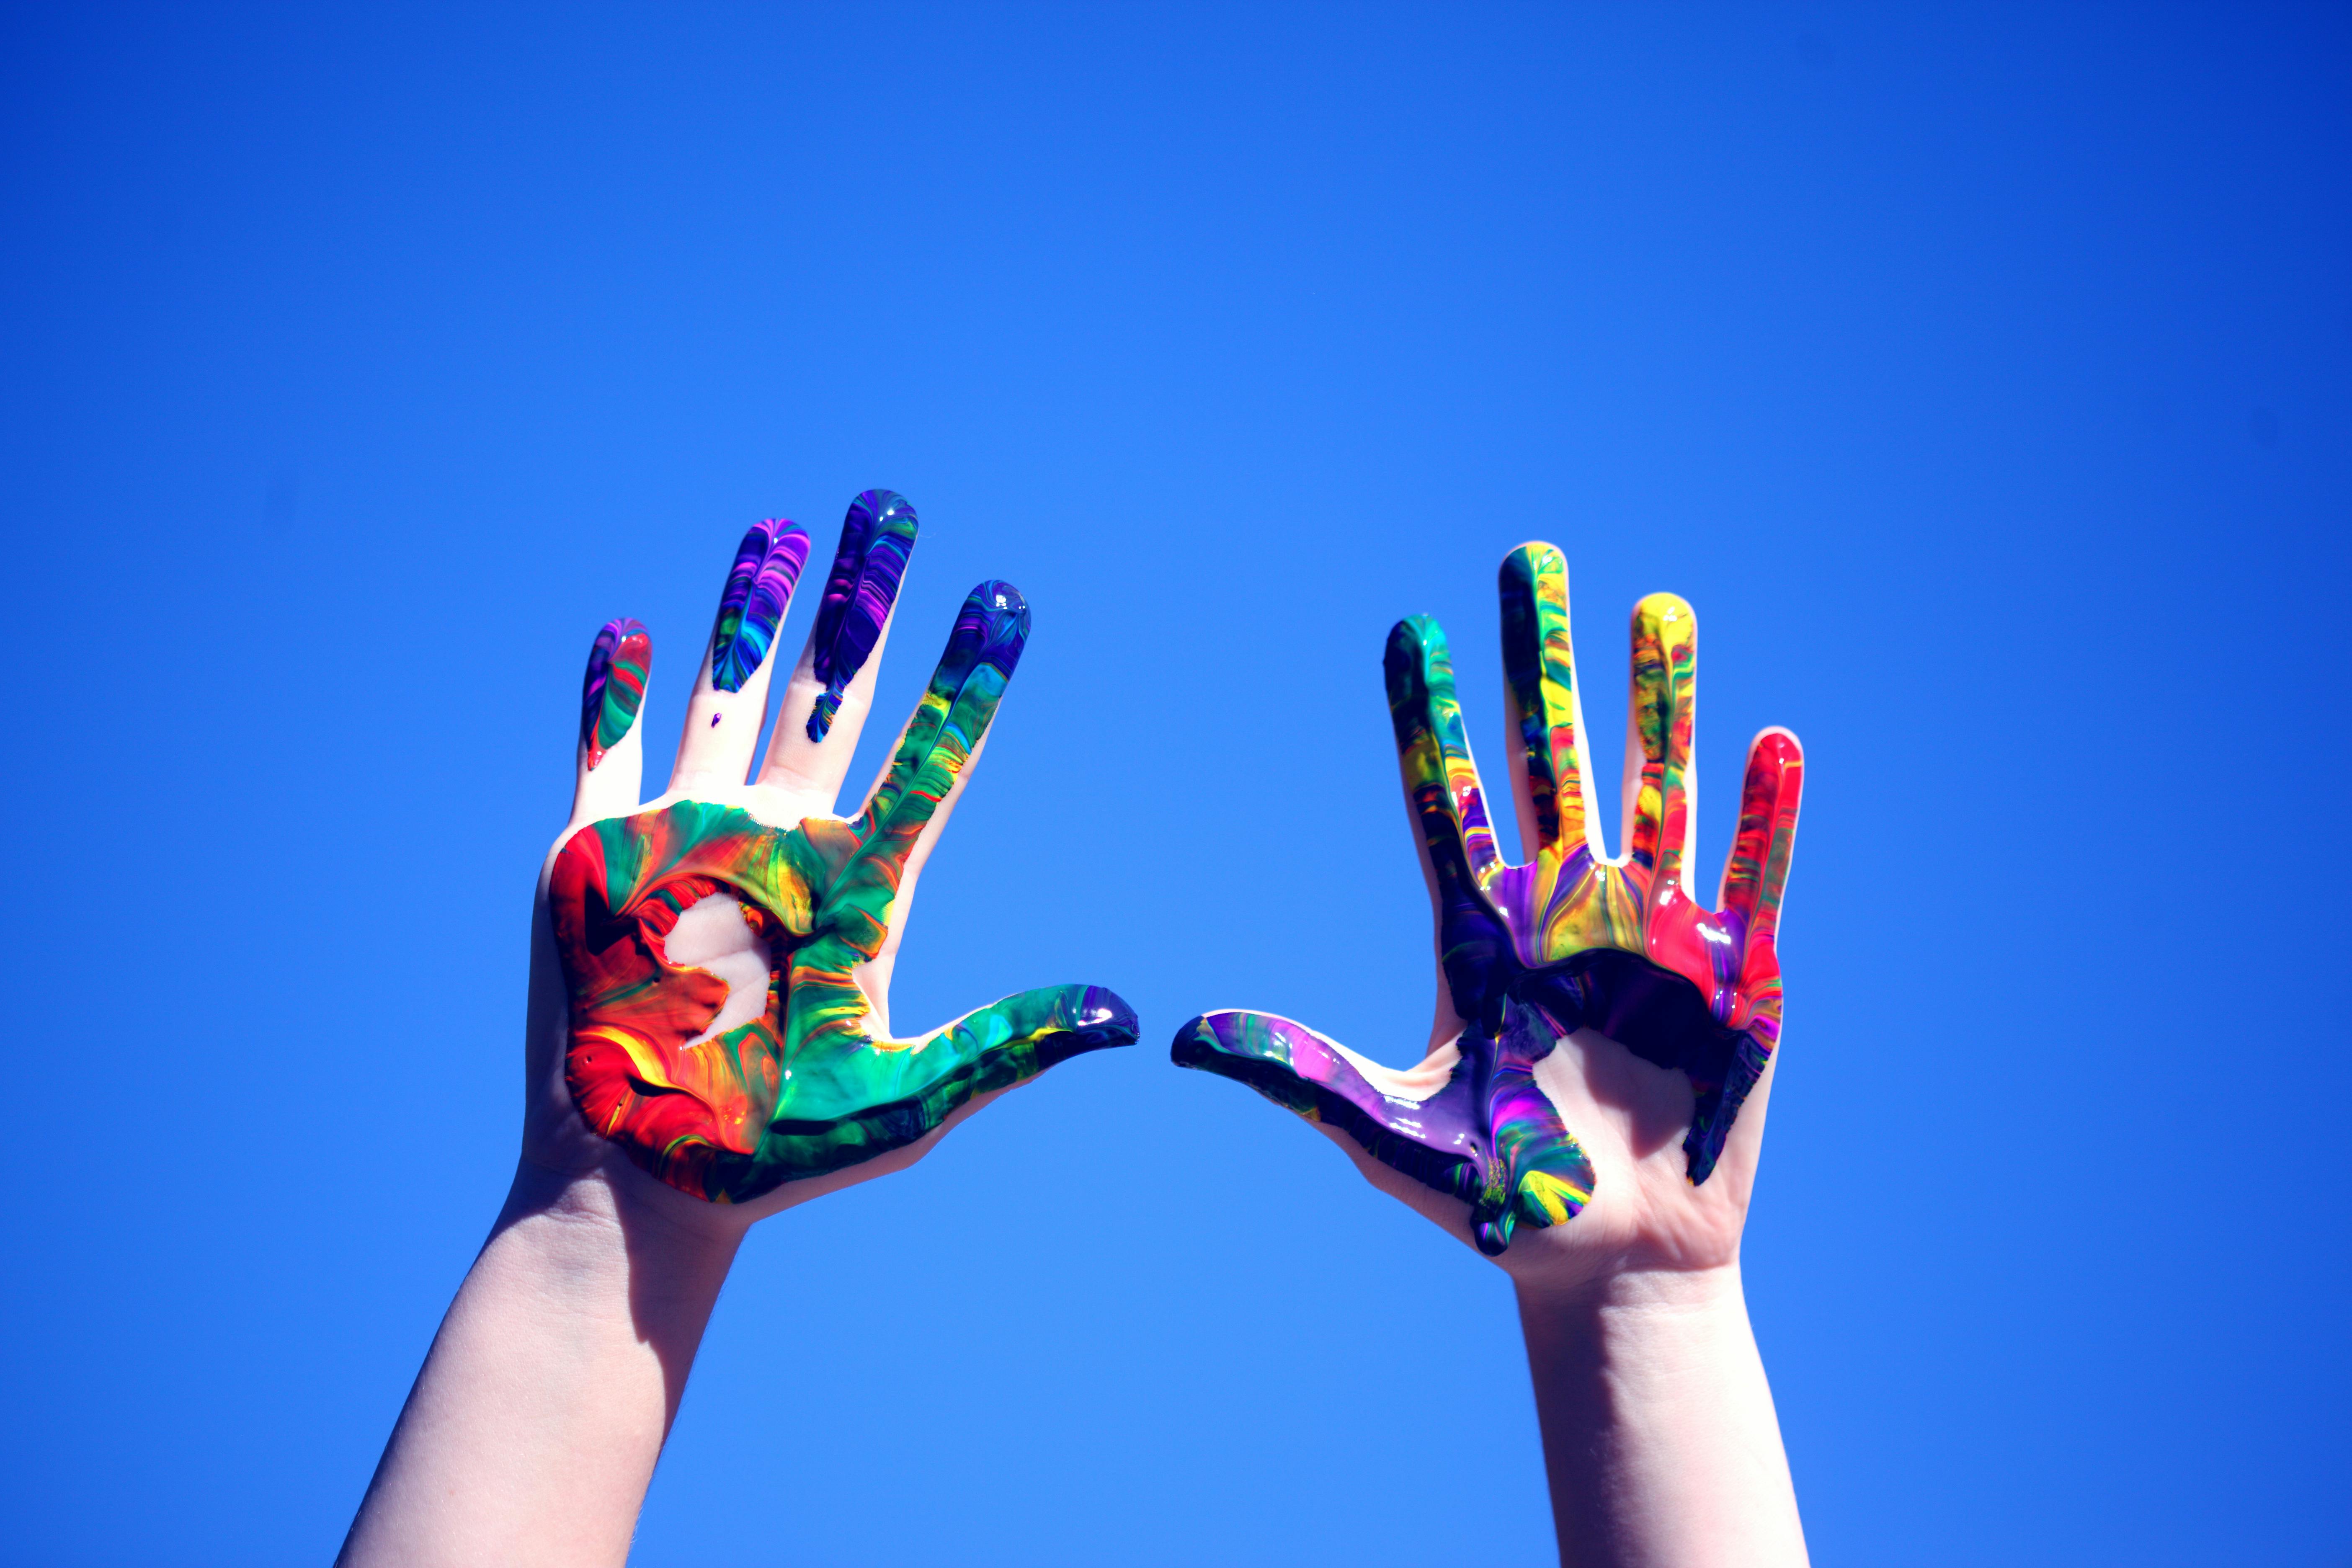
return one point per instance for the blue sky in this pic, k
(1979, 374)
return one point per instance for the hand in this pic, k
(1587, 1010)
(710, 978)
(726, 950)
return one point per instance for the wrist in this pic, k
(1635, 1296)
(1660, 1439)
(534, 1427)
(589, 1220)
(1648, 1336)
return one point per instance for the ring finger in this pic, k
(731, 691)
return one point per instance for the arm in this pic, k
(1660, 1441)
(1590, 1112)
(531, 1433)
(708, 1043)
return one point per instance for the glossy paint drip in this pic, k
(808, 1087)
(877, 538)
(618, 663)
(1570, 940)
(758, 589)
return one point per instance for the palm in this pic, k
(725, 951)
(1574, 993)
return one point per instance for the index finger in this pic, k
(934, 748)
(1539, 670)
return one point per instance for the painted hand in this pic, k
(725, 951)
(1587, 1010)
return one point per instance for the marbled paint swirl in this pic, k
(759, 590)
(1570, 940)
(877, 538)
(614, 688)
(810, 1086)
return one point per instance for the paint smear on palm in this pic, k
(809, 1086)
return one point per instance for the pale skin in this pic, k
(531, 1433)
(1661, 1443)
(533, 1428)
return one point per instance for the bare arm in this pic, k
(1660, 1441)
(532, 1430)
(1589, 1112)
(708, 1043)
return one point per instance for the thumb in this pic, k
(1488, 1136)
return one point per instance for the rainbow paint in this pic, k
(1571, 940)
(758, 588)
(808, 1087)
(1489, 1137)
(618, 662)
(877, 537)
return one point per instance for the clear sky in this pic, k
(1981, 375)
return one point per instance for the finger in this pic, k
(1659, 786)
(612, 755)
(731, 691)
(1753, 877)
(840, 1106)
(1442, 790)
(873, 976)
(949, 720)
(877, 538)
(866, 856)
(831, 688)
(1434, 750)
(1756, 872)
(1547, 708)
(870, 918)
(1489, 1136)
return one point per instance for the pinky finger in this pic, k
(611, 760)
(1756, 871)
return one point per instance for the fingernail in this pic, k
(989, 631)
(767, 564)
(877, 537)
(617, 666)
(991, 627)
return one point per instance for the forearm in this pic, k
(1660, 1439)
(532, 1430)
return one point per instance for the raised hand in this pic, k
(711, 974)
(1538, 962)
(726, 949)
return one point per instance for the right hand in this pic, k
(712, 968)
